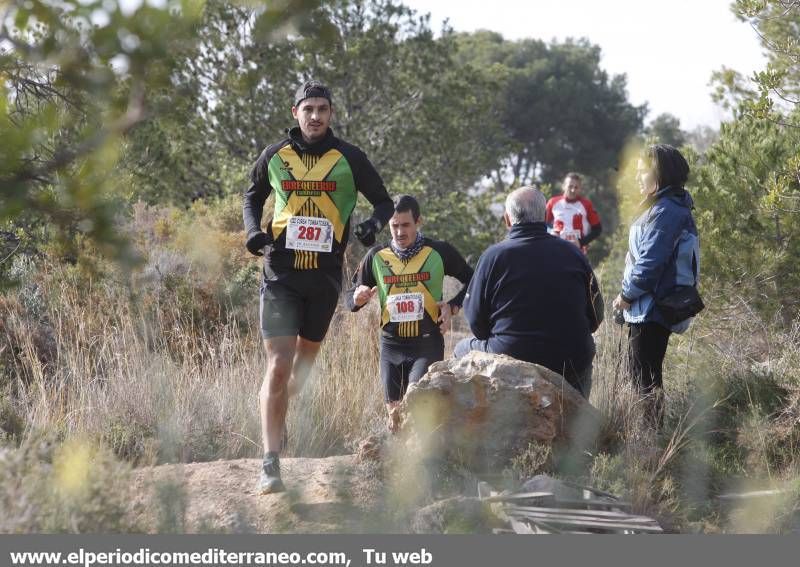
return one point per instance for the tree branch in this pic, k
(134, 114)
(14, 251)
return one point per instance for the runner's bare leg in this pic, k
(393, 411)
(304, 356)
(274, 395)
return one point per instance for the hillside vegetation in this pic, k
(128, 303)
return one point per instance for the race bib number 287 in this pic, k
(309, 233)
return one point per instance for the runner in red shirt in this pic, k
(572, 216)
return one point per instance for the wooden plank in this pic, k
(577, 512)
(521, 527)
(586, 523)
(606, 526)
(577, 520)
(594, 503)
(547, 528)
(574, 514)
(538, 527)
(542, 496)
(559, 514)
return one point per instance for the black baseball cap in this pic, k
(311, 89)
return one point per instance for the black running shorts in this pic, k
(404, 361)
(299, 302)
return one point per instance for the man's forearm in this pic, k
(252, 209)
(350, 301)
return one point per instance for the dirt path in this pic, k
(334, 494)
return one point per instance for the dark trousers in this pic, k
(405, 361)
(647, 345)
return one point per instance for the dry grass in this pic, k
(343, 401)
(731, 391)
(114, 376)
(164, 365)
(155, 386)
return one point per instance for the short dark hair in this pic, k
(311, 89)
(406, 203)
(669, 165)
(576, 176)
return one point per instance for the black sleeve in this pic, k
(369, 183)
(256, 195)
(362, 276)
(476, 302)
(455, 266)
(595, 309)
(594, 232)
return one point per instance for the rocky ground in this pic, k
(334, 494)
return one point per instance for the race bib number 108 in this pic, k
(405, 307)
(309, 233)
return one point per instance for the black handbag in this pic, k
(681, 304)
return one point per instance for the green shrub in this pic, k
(72, 488)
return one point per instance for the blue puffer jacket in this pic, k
(663, 253)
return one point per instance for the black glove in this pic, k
(365, 232)
(255, 244)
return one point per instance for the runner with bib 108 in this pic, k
(408, 277)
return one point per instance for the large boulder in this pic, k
(484, 409)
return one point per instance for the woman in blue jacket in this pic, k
(663, 253)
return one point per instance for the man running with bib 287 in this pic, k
(408, 277)
(315, 177)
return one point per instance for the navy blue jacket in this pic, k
(535, 297)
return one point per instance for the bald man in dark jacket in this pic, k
(534, 296)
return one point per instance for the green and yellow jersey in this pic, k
(315, 188)
(409, 291)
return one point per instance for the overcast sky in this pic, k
(667, 49)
